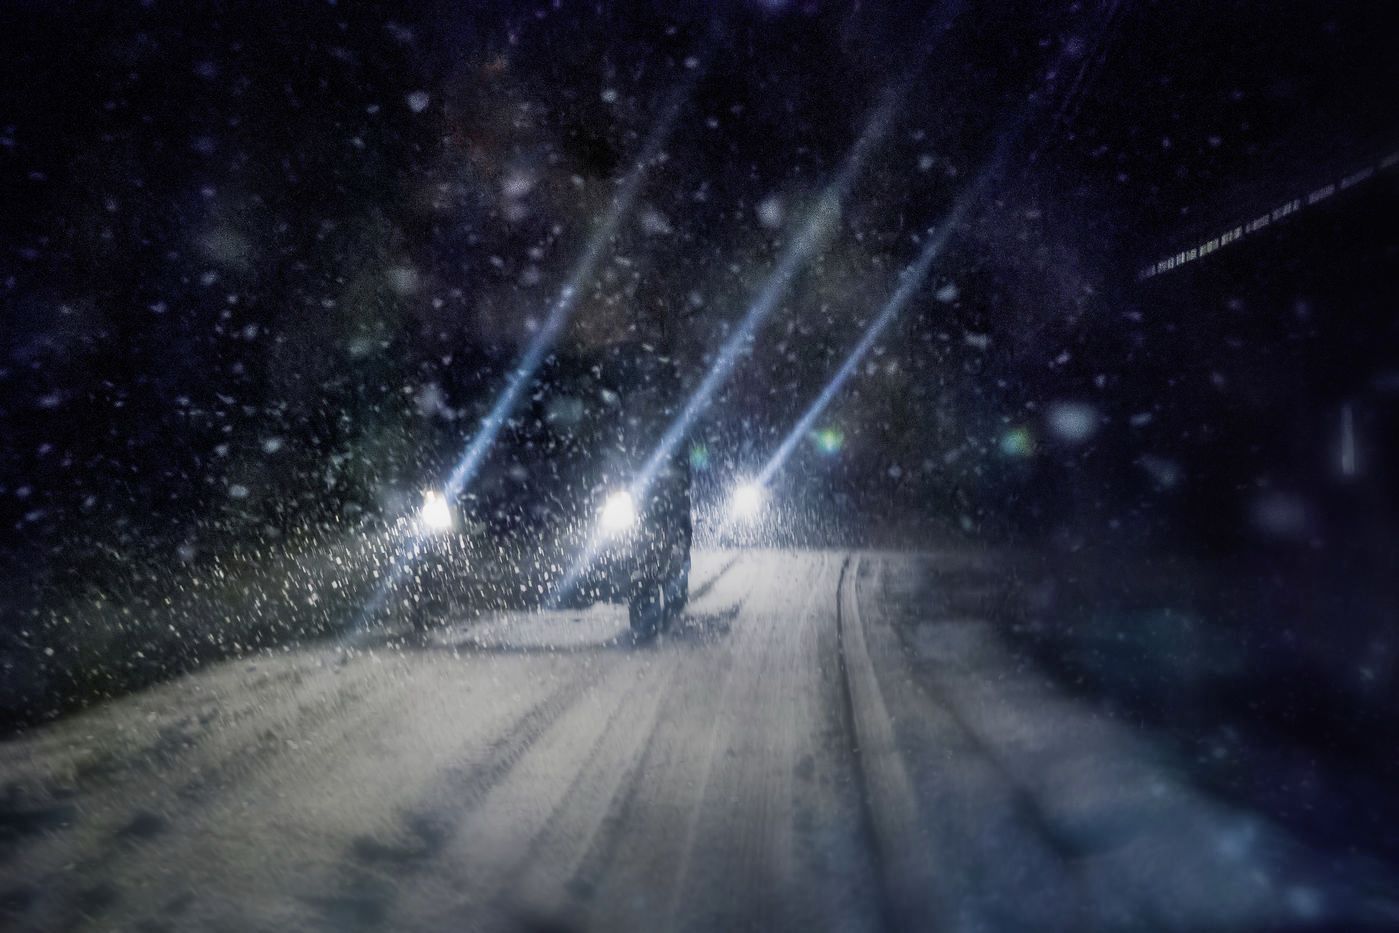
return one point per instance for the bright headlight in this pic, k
(618, 513)
(746, 501)
(435, 516)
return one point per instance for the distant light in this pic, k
(1163, 472)
(1072, 422)
(746, 501)
(770, 212)
(618, 513)
(1349, 468)
(699, 456)
(435, 516)
(1282, 514)
(829, 440)
(1017, 442)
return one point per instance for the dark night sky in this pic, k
(256, 250)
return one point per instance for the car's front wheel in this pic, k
(654, 604)
(677, 591)
(646, 609)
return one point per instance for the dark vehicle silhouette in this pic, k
(559, 514)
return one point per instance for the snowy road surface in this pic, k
(830, 741)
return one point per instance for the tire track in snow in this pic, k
(364, 901)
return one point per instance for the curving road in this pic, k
(829, 741)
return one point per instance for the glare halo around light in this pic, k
(618, 513)
(435, 516)
(746, 502)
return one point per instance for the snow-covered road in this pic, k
(830, 740)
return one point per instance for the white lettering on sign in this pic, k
(1286, 209)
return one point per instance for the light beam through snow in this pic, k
(815, 232)
(562, 308)
(543, 341)
(909, 281)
